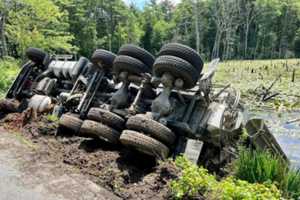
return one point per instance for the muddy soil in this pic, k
(127, 174)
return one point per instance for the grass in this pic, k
(196, 183)
(24, 141)
(9, 68)
(249, 75)
(52, 118)
(262, 167)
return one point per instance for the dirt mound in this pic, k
(122, 171)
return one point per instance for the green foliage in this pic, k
(9, 67)
(231, 188)
(292, 184)
(196, 181)
(262, 167)
(297, 43)
(258, 166)
(84, 25)
(52, 118)
(39, 24)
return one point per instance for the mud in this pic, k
(127, 174)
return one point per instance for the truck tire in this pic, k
(139, 53)
(97, 129)
(152, 128)
(70, 122)
(106, 58)
(36, 55)
(184, 52)
(144, 144)
(129, 64)
(179, 68)
(106, 117)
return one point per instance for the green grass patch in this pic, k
(9, 68)
(263, 167)
(196, 182)
(52, 118)
(25, 141)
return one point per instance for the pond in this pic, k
(285, 131)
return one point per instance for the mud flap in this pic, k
(262, 138)
(192, 150)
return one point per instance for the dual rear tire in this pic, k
(181, 61)
(89, 128)
(104, 58)
(148, 136)
(134, 60)
(144, 144)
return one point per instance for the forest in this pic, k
(229, 29)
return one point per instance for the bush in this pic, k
(197, 182)
(52, 118)
(258, 167)
(263, 167)
(292, 184)
(9, 68)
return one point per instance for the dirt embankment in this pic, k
(126, 173)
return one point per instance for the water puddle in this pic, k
(287, 134)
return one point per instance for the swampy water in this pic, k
(286, 132)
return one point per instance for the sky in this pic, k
(141, 3)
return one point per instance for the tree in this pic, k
(4, 6)
(230, 29)
(297, 44)
(226, 18)
(39, 24)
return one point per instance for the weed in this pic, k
(8, 70)
(52, 118)
(258, 166)
(263, 167)
(197, 182)
(292, 184)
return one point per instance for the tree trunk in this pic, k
(3, 39)
(216, 48)
(246, 39)
(197, 27)
(283, 39)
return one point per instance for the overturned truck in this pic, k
(161, 107)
